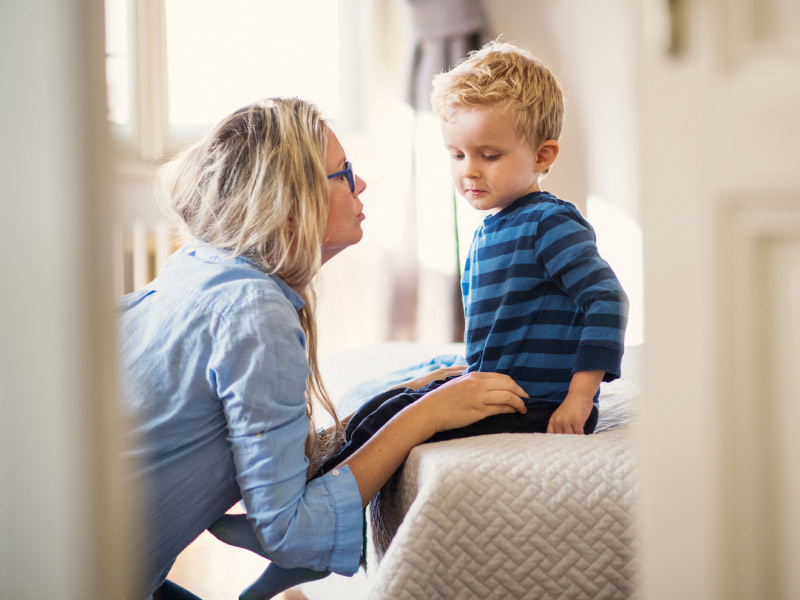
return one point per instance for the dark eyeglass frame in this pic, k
(348, 171)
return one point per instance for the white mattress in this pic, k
(504, 516)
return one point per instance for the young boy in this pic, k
(540, 304)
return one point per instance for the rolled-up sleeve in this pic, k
(260, 371)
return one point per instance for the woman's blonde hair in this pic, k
(510, 78)
(256, 186)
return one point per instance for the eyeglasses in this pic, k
(348, 171)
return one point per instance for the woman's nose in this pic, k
(361, 185)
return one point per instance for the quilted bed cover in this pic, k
(509, 515)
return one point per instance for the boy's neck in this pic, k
(538, 190)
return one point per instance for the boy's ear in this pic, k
(546, 155)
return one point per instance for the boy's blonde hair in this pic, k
(508, 77)
(256, 186)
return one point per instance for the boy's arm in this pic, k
(568, 251)
(571, 416)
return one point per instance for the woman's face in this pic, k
(344, 213)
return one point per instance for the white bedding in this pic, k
(500, 516)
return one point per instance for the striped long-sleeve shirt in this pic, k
(540, 303)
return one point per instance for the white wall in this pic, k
(590, 48)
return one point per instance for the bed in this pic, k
(498, 516)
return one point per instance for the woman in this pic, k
(218, 354)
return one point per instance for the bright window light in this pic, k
(619, 240)
(118, 63)
(222, 55)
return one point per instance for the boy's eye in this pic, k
(491, 156)
(457, 156)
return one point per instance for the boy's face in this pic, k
(492, 165)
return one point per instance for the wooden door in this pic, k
(720, 129)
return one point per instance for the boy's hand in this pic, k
(571, 416)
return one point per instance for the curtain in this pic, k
(444, 32)
(427, 298)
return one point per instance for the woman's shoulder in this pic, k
(229, 286)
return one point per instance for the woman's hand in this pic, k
(423, 380)
(457, 403)
(470, 398)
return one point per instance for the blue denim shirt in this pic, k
(213, 373)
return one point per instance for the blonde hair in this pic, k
(256, 186)
(508, 77)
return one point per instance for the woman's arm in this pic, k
(415, 384)
(457, 403)
(423, 380)
(259, 373)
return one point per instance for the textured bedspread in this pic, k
(511, 515)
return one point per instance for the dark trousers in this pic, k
(376, 412)
(172, 591)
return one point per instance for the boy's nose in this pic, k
(470, 169)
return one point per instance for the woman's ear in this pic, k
(546, 156)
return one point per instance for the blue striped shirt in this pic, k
(540, 303)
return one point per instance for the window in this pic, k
(244, 50)
(175, 67)
(118, 66)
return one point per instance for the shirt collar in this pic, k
(212, 254)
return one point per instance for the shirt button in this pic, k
(335, 472)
